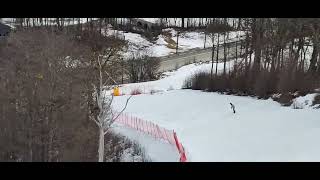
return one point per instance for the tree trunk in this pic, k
(212, 56)
(100, 25)
(62, 22)
(257, 55)
(318, 65)
(304, 58)
(58, 23)
(313, 60)
(278, 59)
(217, 56)
(188, 23)
(239, 23)
(236, 51)
(79, 25)
(246, 51)
(224, 54)
(282, 59)
(266, 58)
(241, 46)
(250, 59)
(296, 54)
(177, 43)
(21, 22)
(258, 30)
(101, 144)
(205, 40)
(236, 57)
(274, 58)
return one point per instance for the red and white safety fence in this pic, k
(154, 130)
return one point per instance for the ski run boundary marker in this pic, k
(154, 130)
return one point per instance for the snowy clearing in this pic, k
(261, 130)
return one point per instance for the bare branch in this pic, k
(105, 83)
(112, 113)
(111, 53)
(106, 131)
(111, 78)
(121, 110)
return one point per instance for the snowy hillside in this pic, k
(186, 41)
(261, 130)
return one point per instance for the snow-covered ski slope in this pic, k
(261, 130)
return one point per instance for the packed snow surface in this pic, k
(260, 130)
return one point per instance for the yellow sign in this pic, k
(39, 76)
(116, 91)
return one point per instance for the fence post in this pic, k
(130, 122)
(183, 157)
(150, 128)
(154, 131)
(127, 120)
(143, 125)
(135, 123)
(159, 132)
(139, 124)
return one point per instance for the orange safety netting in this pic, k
(154, 130)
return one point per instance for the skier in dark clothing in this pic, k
(233, 108)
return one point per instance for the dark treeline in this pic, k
(126, 24)
(166, 22)
(275, 59)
